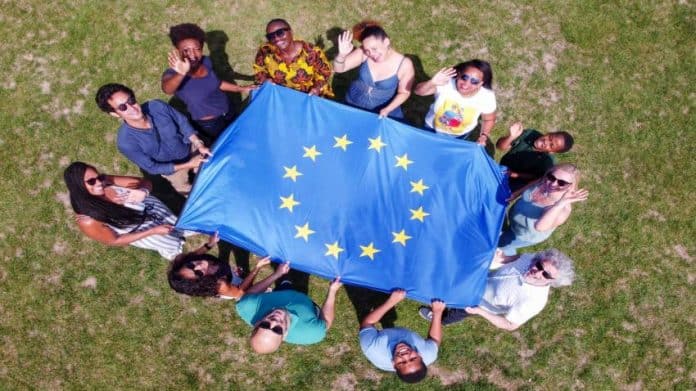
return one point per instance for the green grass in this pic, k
(618, 75)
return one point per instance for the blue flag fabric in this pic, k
(340, 192)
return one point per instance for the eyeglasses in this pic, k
(471, 79)
(124, 106)
(540, 266)
(277, 34)
(552, 178)
(93, 181)
(191, 265)
(267, 325)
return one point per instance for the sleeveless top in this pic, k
(373, 96)
(168, 246)
(523, 215)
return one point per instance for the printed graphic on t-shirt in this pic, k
(453, 118)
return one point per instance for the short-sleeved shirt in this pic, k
(306, 327)
(378, 346)
(508, 295)
(202, 96)
(164, 144)
(457, 115)
(523, 158)
(308, 70)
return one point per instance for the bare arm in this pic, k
(487, 123)
(103, 234)
(249, 280)
(435, 332)
(497, 320)
(262, 285)
(441, 78)
(559, 212)
(328, 309)
(376, 315)
(231, 87)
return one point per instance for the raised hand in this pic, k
(335, 284)
(516, 130)
(179, 65)
(397, 295)
(573, 195)
(345, 43)
(263, 262)
(443, 76)
(438, 306)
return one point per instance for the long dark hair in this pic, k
(205, 286)
(96, 207)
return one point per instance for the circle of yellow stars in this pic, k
(368, 250)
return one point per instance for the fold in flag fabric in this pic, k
(338, 191)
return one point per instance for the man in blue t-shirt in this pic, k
(155, 137)
(397, 349)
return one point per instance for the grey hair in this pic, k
(564, 265)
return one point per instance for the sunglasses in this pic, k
(540, 266)
(93, 181)
(471, 79)
(552, 178)
(277, 34)
(124, 106)
(267, 325)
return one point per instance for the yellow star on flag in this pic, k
(418, 187)
(303, 232)
(333, 249)
(342, 142)
(400, 237)
(402, 161)
(369, 251)
(418, 214)
(288, 202)
(311, 153)
(292, 173)
(376, 143)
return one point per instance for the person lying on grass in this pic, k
(516, 291)
(397, 349)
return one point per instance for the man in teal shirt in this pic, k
(285, 314)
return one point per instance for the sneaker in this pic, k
(426, 313)
(453, 315)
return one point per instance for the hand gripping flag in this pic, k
(340, 192)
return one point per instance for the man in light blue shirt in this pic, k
(397, 349)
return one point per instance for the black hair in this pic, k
(205, 286)
(482, 66)
(278, 20)
(369, 28)
(414, 377)
(568, 140)
(95, 207)
(105, 92)
(186, 31)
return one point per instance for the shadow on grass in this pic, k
(365, 301)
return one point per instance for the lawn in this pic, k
(75, 314)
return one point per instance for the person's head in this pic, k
(118, 101)
(561, 177)
(375, 41)
(198, 274)
(554, 142)
(550, 267)
(86, 187)
(270, 331)
(279, 34)
(188, 39)
(472, 75)
(408, 364)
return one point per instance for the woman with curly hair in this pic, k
(119, 211)
(191, 78)
(385, 77)
(292, 63)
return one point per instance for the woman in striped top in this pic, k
(119, 211)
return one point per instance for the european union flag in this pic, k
(340, 192)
